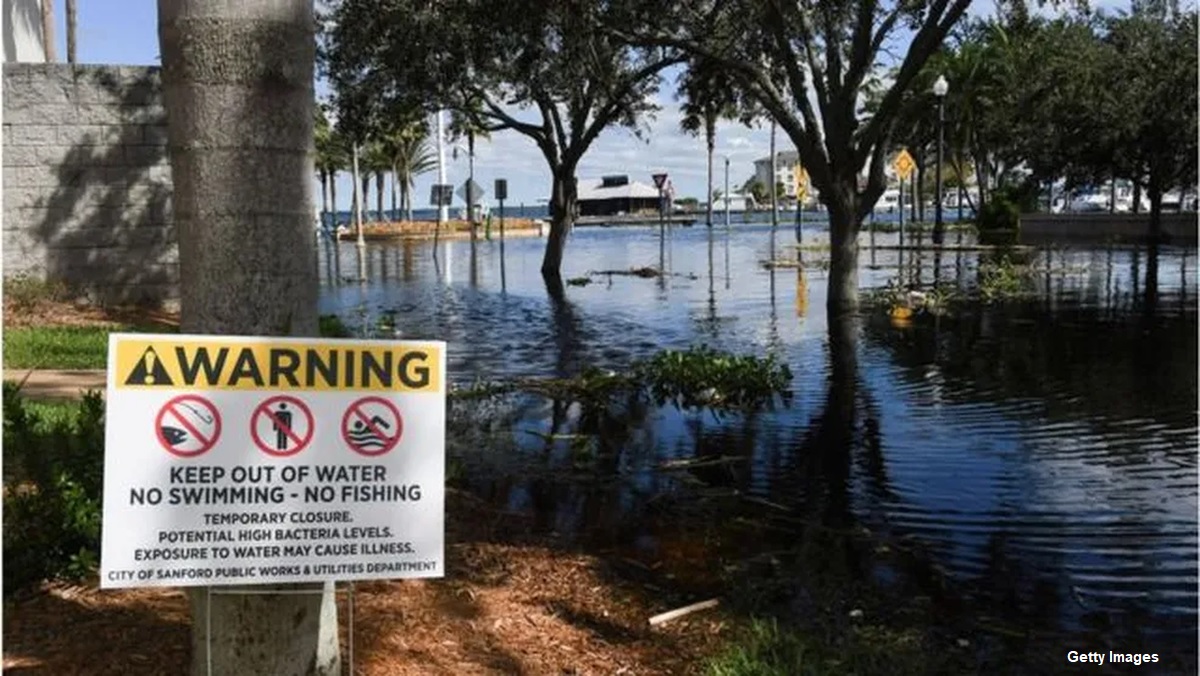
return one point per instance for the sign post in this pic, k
(904, 165)
(801, 179)
(250, 460)
(501, 189)
(659, 181)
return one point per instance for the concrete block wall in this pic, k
(87, 182)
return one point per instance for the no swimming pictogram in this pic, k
(282, 426)
(188, 426)
(372, 426)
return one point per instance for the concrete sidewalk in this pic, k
(54, 384)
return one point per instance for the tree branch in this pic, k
(612, 108)
(506, 121)
(927, 40)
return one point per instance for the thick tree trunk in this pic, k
(1156, 198)
(72, 30)
(406, 196)
(366, 194)
(394, 214)
(243, 203)
(333, 198)
(844, 224)
(48, 45)
(324, 195)
(379, 178)
(562, 216)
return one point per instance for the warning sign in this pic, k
(904, 164)
(206, 363)
(188, 426)
(243, 460)
(372, 426)
(282, 426)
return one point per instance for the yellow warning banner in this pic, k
(212, 363)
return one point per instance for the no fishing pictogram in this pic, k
(188, 426)
(372, 426)
(282, 426)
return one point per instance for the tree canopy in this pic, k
(536, 67)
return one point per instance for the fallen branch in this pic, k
(680, 612)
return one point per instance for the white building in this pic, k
(785, 168)
(737, 203)
(22, 22)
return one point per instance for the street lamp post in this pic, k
(940, 87)
(726, 195)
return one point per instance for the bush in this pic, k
(53, 477)
(999, 213)
(332, 326)
(701, 377)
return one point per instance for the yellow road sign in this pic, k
(800, 175)
(904, 164)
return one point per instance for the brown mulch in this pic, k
(62, 313)
(503, 608)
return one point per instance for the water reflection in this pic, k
(1041, 454)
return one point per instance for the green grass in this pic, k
(56, 347)
(86, 347)
(764, 648)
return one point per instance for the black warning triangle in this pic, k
(149, 371)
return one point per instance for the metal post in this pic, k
(443, 210)
(937, 219)
(774, 196)
(471, 184)
(503, 281)
(726, 194)
(358, 197)
(799, 221)
(661, 212)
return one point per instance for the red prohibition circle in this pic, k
(171, 407)
(299, 443)
(354, 411)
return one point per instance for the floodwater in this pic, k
(1040, 456)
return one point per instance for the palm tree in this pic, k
(378, 161)
(72, 25)
(48, 31)
(262, 284)
(329, 158)
(411, 157)
(709, 95)
(467, 124)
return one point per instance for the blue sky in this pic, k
(124, 32)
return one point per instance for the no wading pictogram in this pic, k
(188, 426)
(372, 426)
(282, 426)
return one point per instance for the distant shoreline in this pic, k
(424, 230)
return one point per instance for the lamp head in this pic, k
(940, 87)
